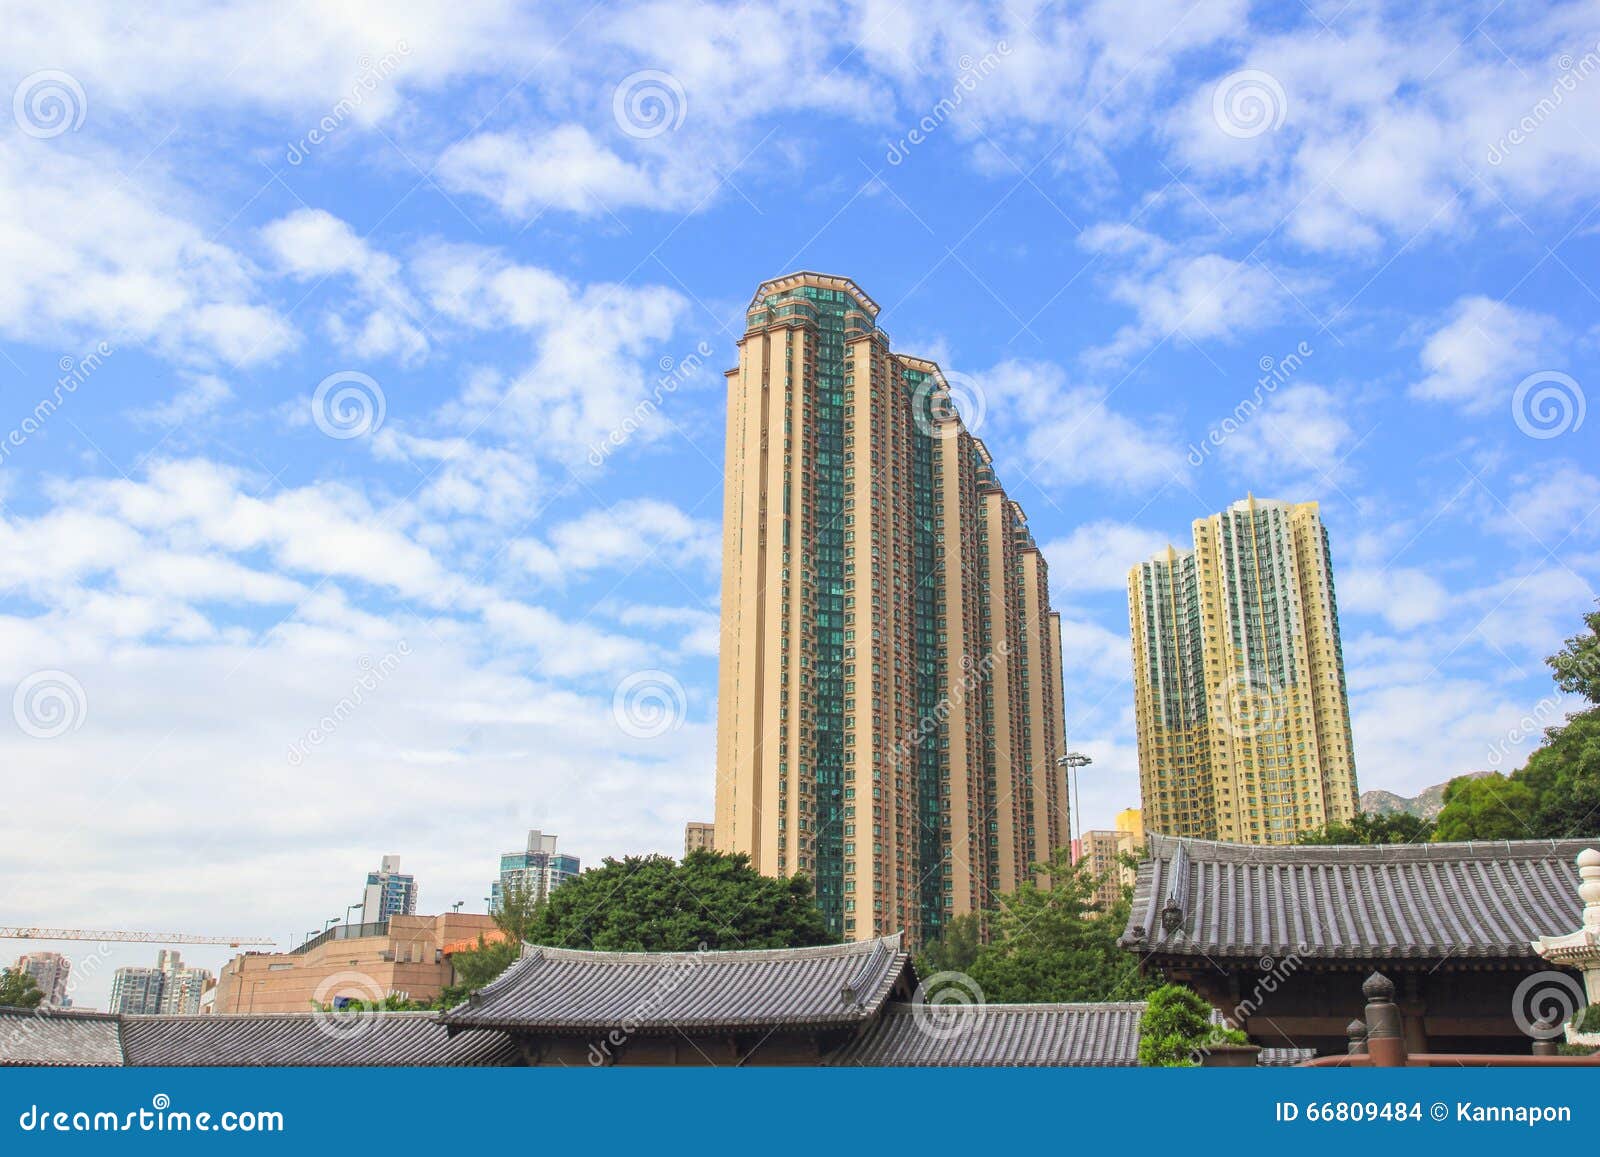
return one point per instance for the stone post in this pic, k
(1581, 949)
(1357, 1032)
(1386, 1043)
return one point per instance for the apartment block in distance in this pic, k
(389, 892)
(170, 987)
(890, 702)
(52, 972)
(537, 866)
(699, 836)
(1101, 853)
(1240, 698)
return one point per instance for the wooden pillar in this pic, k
(1414, 1010)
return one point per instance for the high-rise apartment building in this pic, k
(388, 892)
(890, 701)
(52, 972)
(537, 866)
(1131, 820)
(170, 987)
(1243, 717)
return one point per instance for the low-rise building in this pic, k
(403, 955)
(699, 837)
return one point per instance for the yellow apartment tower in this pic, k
(1239, 687)
(890, 702)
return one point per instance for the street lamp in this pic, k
(456, 907)
(349, 908)
(1070, 762)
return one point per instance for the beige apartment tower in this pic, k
(1243, 717)
(890, 702)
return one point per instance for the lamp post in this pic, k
(349, 908)
(456, 907)
(1070, 762)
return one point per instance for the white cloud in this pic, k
(1405, 597)
(1299, 431)
(1547, 508)
(1476, 359)
(565, 168)
(313, 245)
(90, 260)
(631, 534)
(1097, 556)
(1070, 434)
(1198, 298)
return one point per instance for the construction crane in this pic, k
(20, 933)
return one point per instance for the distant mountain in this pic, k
(1426, 804)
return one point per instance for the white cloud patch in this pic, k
(1476, 359)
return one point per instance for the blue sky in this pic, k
(511, 225)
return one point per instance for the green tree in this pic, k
(476, 967)
(518, 910)
(1392, 828)
(1488, 807)
(956, 950)
(1577, 664)
(1053, 942)
(655, 904)
(1556, 794)
(1176, 1027)
(1564, 776)
(19, 990)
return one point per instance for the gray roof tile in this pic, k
(313, 1039)
(1425, 901)
(58, 1037)
(984, 1035)
(558, 990)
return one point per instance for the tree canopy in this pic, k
(1556, 794)
(1176, 1029)
(1391, 828)
(18, 989)
(656, 904)
(1054, 942)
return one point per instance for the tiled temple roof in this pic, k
(303, 1038)
(564, 991)
(58, 1037)
(999, 1034)
(1422, 901)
